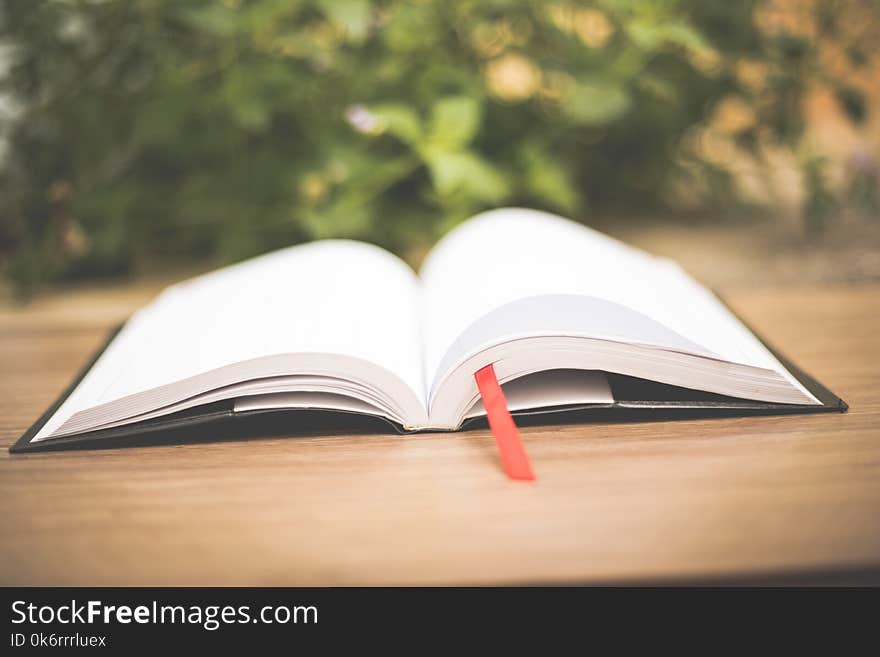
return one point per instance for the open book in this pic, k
(561, 311)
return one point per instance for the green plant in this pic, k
(140, 129)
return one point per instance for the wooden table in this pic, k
(767, 499)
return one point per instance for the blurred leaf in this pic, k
(338, 220)
(596, 102)
(454, 121)
(653, 34)
(466, 174)
(412, 26)
(216, 19)
(548, 180)
(399, 120)
(352, 15)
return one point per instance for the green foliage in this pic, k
(143, 129)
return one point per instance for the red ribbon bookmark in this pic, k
(513, 454)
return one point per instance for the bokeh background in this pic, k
(139, 136)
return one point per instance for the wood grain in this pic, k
(630, 502)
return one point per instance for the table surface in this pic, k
(789, 498)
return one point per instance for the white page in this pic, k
(305, 401)
(333, 296)
(511, 254)
(552, 388)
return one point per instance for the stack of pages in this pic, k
(570, 319)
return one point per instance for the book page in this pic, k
(328, 297)
(552, 388)
(512, 254)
